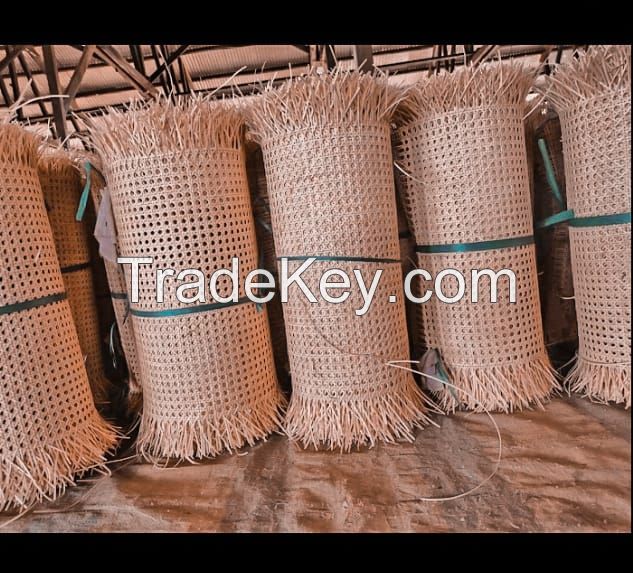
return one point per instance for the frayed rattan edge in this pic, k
(208, 436)
(504, 388)
(45, 471)
(345, 424)
(601, 383)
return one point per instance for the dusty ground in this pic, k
(567, 468)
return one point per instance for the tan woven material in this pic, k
(61, 185)
(49, 428)
(327, 152)
(177, 178)
(552, 243)
(592, 95)
(268, 259)
(461, 141)
(120, 300)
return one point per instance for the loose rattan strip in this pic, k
(461, 141)
(327, 152)
(61, 185)
(177, 177)
(49, 429)
(592, 94)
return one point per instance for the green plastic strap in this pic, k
(35, 303)
(187, 310)
(118, 295)
(341, 259)
(561, 217)
(75, 268)
(549, 171)
(601, 220)
(83, 201)
(480, 246)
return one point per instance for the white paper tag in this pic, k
(105, 231)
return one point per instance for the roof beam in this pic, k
(59, 112)
(482, 53)
(10, 56)
(78, 74)
(34, 88)
(5, 93)
(138, 80)
(363, 57)
(169, 60)
(15, 87)
(137, 58)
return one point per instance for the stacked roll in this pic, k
(61, 184)
(327, 153)
(177, 181)
(461, 144)
(50, 431)
(592, 95)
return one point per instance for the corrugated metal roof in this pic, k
(212, 66)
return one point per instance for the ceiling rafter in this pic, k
(109, 54)
(59, 111)
(168, 61)
(78, 74)
(11, 55)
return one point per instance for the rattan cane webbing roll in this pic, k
(462, 143)
(327, 152)
(61, 186)
(119, 296)
(50, 430)
(592, 95)
(177, 178)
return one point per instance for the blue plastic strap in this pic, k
(479, 246)
(29, 304)
(561, 217)
(601, 220)
(75, 268)
(83, 200)
(186, 310)
(549, 172)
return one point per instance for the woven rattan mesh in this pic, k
(49, 428)
(468, 182)
(61, 185)
(331, 188)
(209, 381)
(314, 197)
(593, 98)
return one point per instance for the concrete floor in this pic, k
(567, 468)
